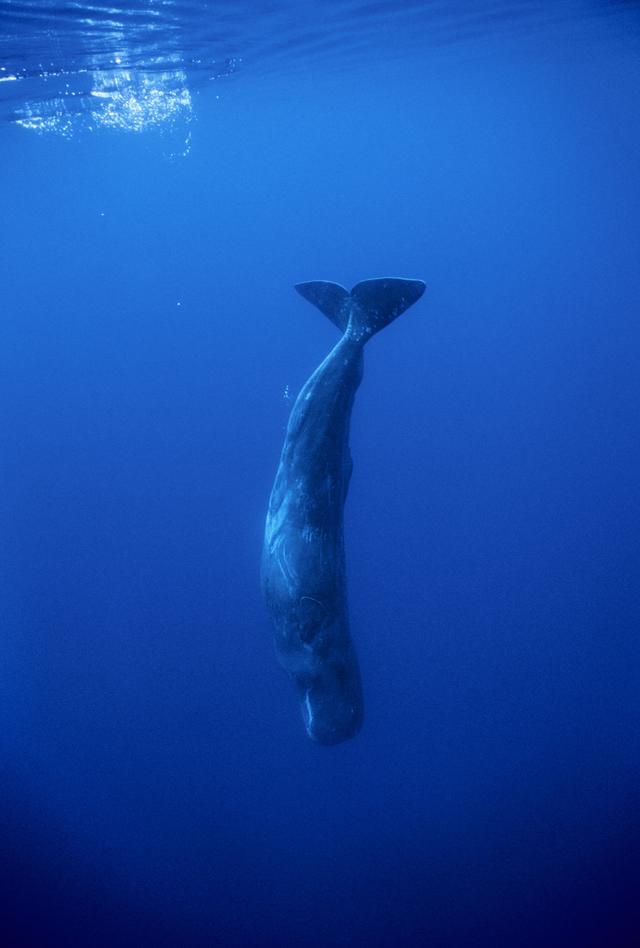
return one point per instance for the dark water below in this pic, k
(169, 171)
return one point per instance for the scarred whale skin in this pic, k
(303, 560)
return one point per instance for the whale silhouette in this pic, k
(303, 561)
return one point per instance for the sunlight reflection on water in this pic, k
(70, 65)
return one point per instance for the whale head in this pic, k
(332, 702)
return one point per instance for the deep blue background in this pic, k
(158, 787)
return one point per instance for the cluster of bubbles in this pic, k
(129, 99)
(122, 96)
(71, 65)
(134, 100)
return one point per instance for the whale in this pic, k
(303, 575)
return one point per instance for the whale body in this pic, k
(303, 561)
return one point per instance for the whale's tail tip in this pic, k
(368, 308)
(379, 302)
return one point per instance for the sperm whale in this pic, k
(303, 560)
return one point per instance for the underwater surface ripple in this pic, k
(136, 65)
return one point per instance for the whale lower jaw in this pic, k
(331, 738)
(331, 722)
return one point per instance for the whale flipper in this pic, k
(368, 308)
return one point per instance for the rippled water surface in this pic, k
(136, 65)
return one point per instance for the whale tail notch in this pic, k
(368, 308)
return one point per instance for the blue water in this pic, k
(169, 171)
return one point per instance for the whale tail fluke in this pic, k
(330, 298)
(379, 302)
(368, 308)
